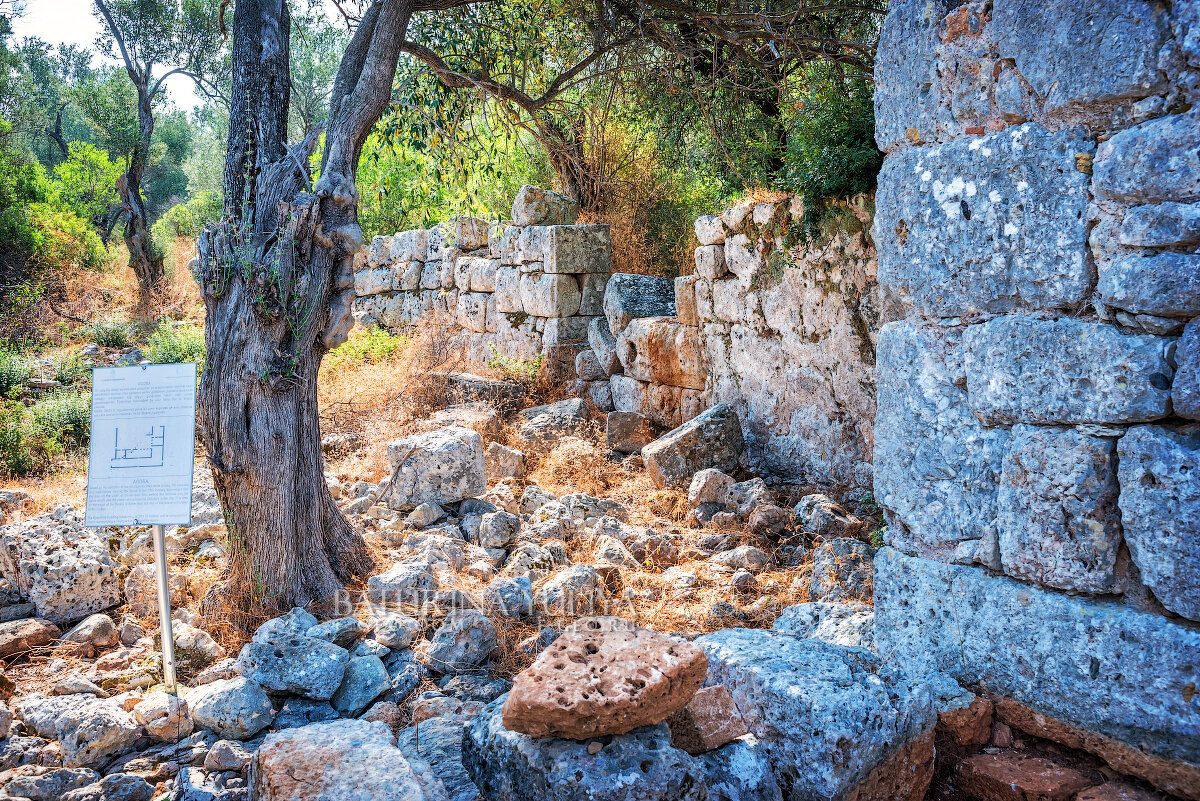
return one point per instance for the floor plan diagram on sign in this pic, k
(138, 447)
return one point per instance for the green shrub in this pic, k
(15, 456)
(518, 369)
(171, 344)
(109, 333)
(64, 416)
(68, 368)
(371, 346)
(15, 370)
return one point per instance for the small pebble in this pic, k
(595, 747)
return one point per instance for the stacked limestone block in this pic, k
(788, 331)
(520, 289)
(1035, 452)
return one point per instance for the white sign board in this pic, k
(143, 445)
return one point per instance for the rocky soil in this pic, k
(516, 643)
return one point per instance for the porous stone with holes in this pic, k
(604, 676)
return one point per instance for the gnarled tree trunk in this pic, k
(277, 281)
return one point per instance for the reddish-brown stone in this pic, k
(604, 676)
(1117, 791)
(709, 720)
(969, 726)
(1018, 777)
(904, 776)
(22, 636)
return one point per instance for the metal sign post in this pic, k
(140, 463)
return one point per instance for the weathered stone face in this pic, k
(661, 350)
(1058, 521)
(442, 467)
(713, 439)
(937, 469)
(604, 676)
(1160, 493)
(861, 713)
(906, 72)
(549, 295)
(629, 296)
(1153, 162)
(300, 665)
(958, 620)
(534, 206)
(1185, 391)
(994, 224)
(1062, 372)
(1165, 284)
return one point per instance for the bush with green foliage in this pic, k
(109, 332)
(65, 416)
(188, 219)
(371, 346)
(69, 368)
(15, 370)
(523, 370)
(31, 438)
(176, 344)
(832, 151)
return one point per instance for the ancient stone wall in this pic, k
(1038, 219)
(515, 289)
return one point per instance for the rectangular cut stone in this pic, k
(1160, 508)
(578, 249)
(508, 290)
(1154, 162)
(407, 275)
(472, 311)
(530, 244)
(1072, 61)
(373, 281)
(380, 252)
(410, 246)
(993, 224)
(1045, 649)
(937, 470)
(1165, 284)
(462, 273)
(685, 300)
(431, 275)
(662, 351)
(592, 286)
(906, 79)
(710, 262)
(628, 394)
(1064, 372)
(547, 295)
(565, 330)
(662, 405)
(483, 274)
(710, 230)
(1058, 522)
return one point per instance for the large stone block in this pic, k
(578, 249)
(1058, 522)
(1096, 665)
(629, 296)
(1165, 284)
(1185, 391)
(1160, 509)
(660, 350)
(992, 224)
(713, 439)
(410, 246)
(906, 80)
(1161, 225)
(549, 295)
(442, 466)
(65, 570)
(640, 766)
(508, 290)
(1064, 372)
(471, 312)
(937, 469)
(373, 281)
(1154, 162)
(534, 206)
(592, 286)
(1074, 54)
(861, 717)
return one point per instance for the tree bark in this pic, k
(147, 264)
(277, 279)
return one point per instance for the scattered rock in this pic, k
(708, 486)
(51, 785)
(65, 570)
(296, 621)
(227, 755)
(746, 496)
(405, 582)
(195, 648)
(509, 597)
(464, 641)
(303, 666)
(501, 461)
(78, 684)
(443, 466)
(438, 743)
(708, 721)
(441, 706)
(348, 760)
(396, 631)
(165, 717)
(769, 521)
(969, 726)
(114, 787)
(90, 730)
(604, 676)
(498, 529)
(235, 708)
(534, 206)
(542, 427)
(365, 680)
(712, 439)
(629, 432)
(1014, 777)
(740, 771)
(297, 712)
(510, 766)
(97, 630)
(342, 631)
(577, 590)
(743, 557)
(842, 570)
(424, 515)
(23, 636)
